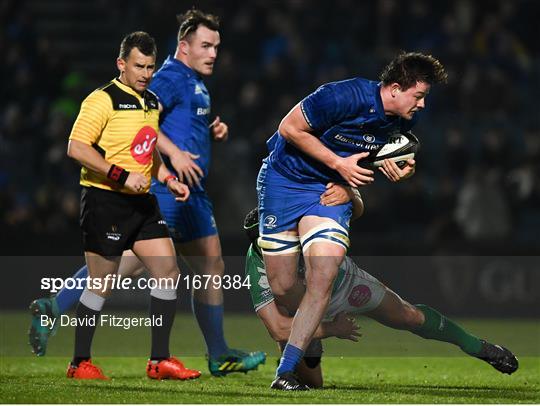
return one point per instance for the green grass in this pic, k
(386, 366)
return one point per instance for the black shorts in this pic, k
(111, 222)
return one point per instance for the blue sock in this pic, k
(290, 358)
(210, 319)
(68, 298)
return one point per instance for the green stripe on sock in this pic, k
(439, 327)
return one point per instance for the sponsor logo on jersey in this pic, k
(364, 144)
(143, 145)
(359, 295)
(127, 106)
(203, 111)
(198, 89)
(270, 221)
(369, 138)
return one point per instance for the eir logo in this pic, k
(143, 145)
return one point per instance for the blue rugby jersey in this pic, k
(186, 111)
(348, 118)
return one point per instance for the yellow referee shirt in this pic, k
(122, 126)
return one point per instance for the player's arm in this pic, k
(357, 201)
(163, 175)
(88, 157)
(279, 325)
(92, 119)
(170, 95)
(296, 130)
(338, 194)
(182, 161)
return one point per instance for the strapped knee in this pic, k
(328, 232)
(279, 243)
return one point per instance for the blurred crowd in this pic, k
(477, 176)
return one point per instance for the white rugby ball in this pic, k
(399, 148)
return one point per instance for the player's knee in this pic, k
(412, 318)
(213, 265)
(282, 286)
(170, 271)
(216, 266)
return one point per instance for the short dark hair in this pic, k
(190, 21)
(251, 225)
(409, 68)
(140, 40)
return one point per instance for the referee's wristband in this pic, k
(168, 178)
(118, 174)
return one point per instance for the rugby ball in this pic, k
(398, 148)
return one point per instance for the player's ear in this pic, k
(183, 47)
(121, 65)
(395, 89)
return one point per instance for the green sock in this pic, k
(439, 327)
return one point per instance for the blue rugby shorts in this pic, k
(283, 202)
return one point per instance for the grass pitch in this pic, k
(386, 366)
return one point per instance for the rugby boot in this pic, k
(498, 357)
(85, 370)
(40, 329)
(170, 368)
(236, 361)
(288, 381)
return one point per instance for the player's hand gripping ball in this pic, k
(399, 148)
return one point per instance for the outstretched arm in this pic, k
(163, 175)
(183, 162)
(279, 325)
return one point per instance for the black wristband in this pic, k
(118, 174)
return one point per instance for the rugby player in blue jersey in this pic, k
(356, 292)
(324, 139)
(185, 138)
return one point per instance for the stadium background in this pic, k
(475, 194)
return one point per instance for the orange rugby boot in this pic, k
(170, 368)
(85, 370)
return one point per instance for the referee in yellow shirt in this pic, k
(114, 139)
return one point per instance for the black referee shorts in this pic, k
(111, 222)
